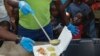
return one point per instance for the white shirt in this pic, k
(3, 12)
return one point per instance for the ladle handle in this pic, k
(41, 27)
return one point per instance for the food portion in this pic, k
(55, 42)
(53, 54)
(42, 51)
(50, 49)
(45, 50)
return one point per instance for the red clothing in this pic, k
(78, 36)
(96, 6)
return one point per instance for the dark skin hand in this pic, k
(6, 35)
(12, 9)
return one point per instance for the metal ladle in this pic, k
(52, 42)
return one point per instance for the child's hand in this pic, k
(25, 7)
(27, 44)
(73, 29)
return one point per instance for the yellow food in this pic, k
(53, 54)
(55, 42)
(50, 49)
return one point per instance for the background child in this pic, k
(61, 19)
(55, 20)
(88, 21)
(77, 21)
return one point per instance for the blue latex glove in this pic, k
(73, 29)
(25, 7)
(27, 44)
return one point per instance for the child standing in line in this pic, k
(77, 21)
(55, 20)
(60, 19)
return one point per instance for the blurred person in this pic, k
(63, 19)
(55, 20)
(25, 42)
(12, 9)
(77, 21)
(6, 35)
(29, 27)
(88, 17)
(27, 24)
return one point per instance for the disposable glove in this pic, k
(25, 7)
(27, 44)
(74, 30)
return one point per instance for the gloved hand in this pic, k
(73, 29)
(27, 44)
(25, 7)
